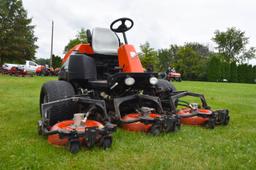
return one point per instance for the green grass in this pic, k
(230, 147)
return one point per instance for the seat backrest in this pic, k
(104, 41)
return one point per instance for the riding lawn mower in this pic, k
(103, 85)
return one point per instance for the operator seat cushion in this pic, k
(104, 41)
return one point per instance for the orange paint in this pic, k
(195, 120)
(137, 126)
(129, 60)
(67, 125)
(80, 48)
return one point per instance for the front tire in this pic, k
(56, 90)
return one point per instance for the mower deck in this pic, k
(198, 115)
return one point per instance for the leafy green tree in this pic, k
(242, 73)
(190, 64)
(254, 74)
(232, 43)
(248, 54)
(165, 59)
(43, 61)
(148, 56)
(81, 37)
(56, 61)
(214, 68)
(225, 71)
(17, 40)
(201, 49)
(174, 50)
(233, 72)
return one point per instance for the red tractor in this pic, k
(171, 74)
(103, 84)
(19, 71)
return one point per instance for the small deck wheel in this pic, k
(211, 123)
(74, 147)
(226, 119)
(154, 130)
(39, 130)
(107, 142)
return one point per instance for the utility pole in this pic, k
(51, 44)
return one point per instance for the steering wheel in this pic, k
(122, 27)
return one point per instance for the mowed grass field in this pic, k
(229, 147)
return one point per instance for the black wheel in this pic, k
(55, 90)
(107, 142)
(154, 130)
(39, 130)
(164, 88)
(211, 123)
(226, 120)
(174, 126)
(74, 147)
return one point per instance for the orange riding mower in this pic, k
(103, 84)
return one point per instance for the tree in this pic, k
(201, 49)
(56, 61)
(242, 73)
(148, 56)
(232, 43)
(225, 70)
(17, 40)
(191, 65)
(248, 54)
(81, 37)
(214, 69)
(233, 72)
(43, 61)
(254, 74)
(165, 59)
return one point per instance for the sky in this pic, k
(161, 23)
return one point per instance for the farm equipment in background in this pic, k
(47, 71)
(3, 69)
(19, 71)
(102, 84)
(174, 76)
(171, 74)
(27, 69)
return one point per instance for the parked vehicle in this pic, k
(19, 71)
(29, 66)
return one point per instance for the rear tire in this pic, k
(165, 85)
(56, 90)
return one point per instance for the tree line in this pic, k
(196, 61)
